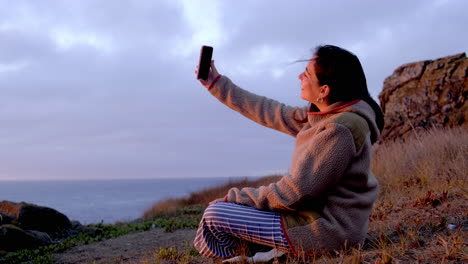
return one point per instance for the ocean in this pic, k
(105, 201)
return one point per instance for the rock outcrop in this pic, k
(25, 226)
(34, 217)
(422, 95)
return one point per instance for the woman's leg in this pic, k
(225, 225)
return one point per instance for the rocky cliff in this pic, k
(426, 94)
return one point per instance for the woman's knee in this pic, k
(214, 210)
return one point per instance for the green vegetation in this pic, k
(167, 253)
(173, 255)
(188, 217)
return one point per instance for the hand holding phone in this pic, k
(204, 64)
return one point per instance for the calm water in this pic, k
(106, 200)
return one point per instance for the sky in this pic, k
(102, 89)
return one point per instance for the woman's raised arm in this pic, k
(263, 110)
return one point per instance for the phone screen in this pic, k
(204, 64)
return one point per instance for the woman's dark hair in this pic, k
(343, 73)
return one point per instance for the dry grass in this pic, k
(203, 197)
(423, 190)
(436, 162)
(421, 215)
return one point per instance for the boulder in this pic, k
(43, 237)
(13, 238)
(33, 217)
(5, 218)
(422, 95)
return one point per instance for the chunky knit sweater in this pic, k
(326, 198)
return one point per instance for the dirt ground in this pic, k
(132, 248)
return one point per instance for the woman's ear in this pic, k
(324, 91)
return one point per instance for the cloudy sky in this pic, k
(101, 89)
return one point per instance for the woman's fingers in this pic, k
(213, 68)
(213, 73)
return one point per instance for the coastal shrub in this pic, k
(36, 256)
(196, 202)
(170, 224)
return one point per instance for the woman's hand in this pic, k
(212, 75)
(217, 200)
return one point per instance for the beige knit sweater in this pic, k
(326, 199)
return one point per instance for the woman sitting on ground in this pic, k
(325, 201)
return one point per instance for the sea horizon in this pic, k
(103, 200)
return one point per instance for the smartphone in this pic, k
(204, 64)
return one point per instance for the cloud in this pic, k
(375, 31)
(101, 89)
(12, 67)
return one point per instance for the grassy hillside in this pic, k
(421, 214)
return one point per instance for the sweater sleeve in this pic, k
(260, 109)
(315, 168)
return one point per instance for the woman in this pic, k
(325, 201)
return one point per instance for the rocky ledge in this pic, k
(423, 95)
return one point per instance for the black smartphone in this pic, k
(204, 64)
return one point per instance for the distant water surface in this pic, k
(102, 200)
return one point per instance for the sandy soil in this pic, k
(139, 247)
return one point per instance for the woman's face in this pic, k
(310, 87)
